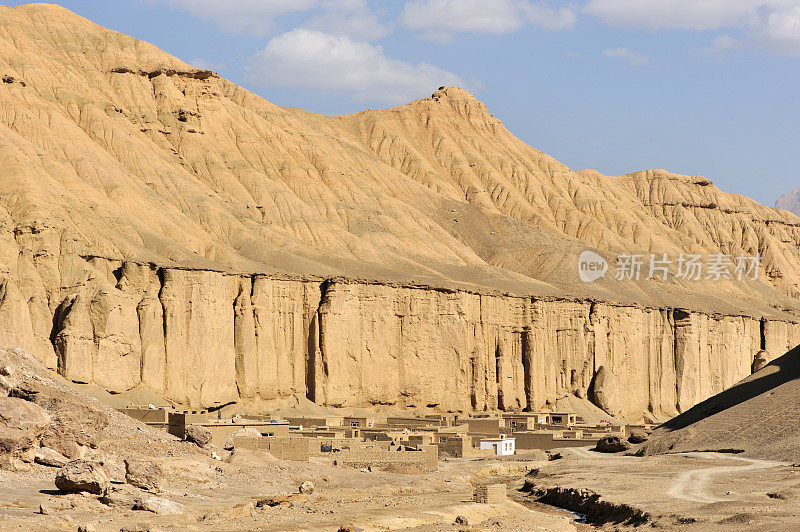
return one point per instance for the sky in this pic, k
(705, 87)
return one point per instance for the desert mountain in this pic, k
(152, 212)
(127, 152)
(790, 201)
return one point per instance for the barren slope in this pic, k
(126, 152)
(163, 228)
(760, 416)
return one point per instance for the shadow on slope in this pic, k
(780, 371)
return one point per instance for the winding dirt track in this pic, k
(692, 485)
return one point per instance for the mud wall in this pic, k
(204, 338)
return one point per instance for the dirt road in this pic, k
(692, 485)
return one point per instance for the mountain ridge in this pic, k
(164, 228)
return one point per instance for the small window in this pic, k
(354, 424)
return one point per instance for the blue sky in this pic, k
(694, 86)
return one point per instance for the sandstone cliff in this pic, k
(163, 227)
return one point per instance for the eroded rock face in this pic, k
(115, 269)
(22, 424)
(74, 426)
(83, 475)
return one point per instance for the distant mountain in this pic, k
(790, 202)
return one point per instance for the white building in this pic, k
(502, 446)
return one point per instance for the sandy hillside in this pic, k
(113, 148)
(759, 416)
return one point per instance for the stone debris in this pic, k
(50, 457)
(198, 434)
(307, 487)
(143, 474)
(124, 497)
(22, 424)
(83, 476)
(51, 507)
(158, 505)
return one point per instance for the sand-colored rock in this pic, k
(22, 424)
(162, 227)
(82, 476)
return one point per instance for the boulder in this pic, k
(22, 424)
(83, 476)
(461, 520)
(198, 434)
(612, 444)
(248, 432)
(122, 497)
(158, 505)
(143, 474)
(604, 391)
(114, 466)
(50, 457)
(75, 425)
(637, 436)
(306, 487)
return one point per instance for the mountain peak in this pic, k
(790, 202)
(456, 94)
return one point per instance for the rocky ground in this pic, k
(687, 491)
(71, 463)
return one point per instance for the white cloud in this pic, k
(547, 18)
(338, 63)
(348, 17)
(771, 25)
(634, 58)
(674, 14)
(779, 30)
(252, 16)
(441, 19)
